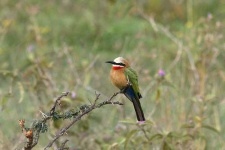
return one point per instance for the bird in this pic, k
(126, 79)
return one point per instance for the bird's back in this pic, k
(133, 79)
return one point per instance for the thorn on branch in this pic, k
(97, 97)
(114, 95)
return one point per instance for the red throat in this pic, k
(117, 67)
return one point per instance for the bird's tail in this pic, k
(130, 94)
(138, 110)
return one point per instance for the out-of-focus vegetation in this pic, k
(47, 47)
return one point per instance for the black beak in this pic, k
(110, 62)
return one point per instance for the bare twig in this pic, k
(57, 101)
(91, 64)
(62, 147)
(71, 65)
(193, 67)
(145, 133)
(84, 112)
(158, 27)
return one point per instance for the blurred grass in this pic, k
(47, 47)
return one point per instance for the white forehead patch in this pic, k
(119, 60)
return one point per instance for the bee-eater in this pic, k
(126, 79)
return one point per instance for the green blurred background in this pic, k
(47, 47)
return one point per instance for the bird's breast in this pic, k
(118, 78)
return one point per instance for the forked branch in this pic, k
(39, 126)
(87, 110)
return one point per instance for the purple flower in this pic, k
(161, 73)
(30, 48)
(73, 94)
(209, 16)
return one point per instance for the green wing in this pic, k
(133, 79)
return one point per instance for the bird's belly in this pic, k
(118, 79)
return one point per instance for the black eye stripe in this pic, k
(121, 64)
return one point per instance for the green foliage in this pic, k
(39, 126)
(69, 114)
(47, 47)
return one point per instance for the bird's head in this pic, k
(119, 63)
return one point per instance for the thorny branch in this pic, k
(32, 134)
(86, 111)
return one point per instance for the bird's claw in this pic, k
(124, 89)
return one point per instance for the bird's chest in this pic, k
(118, 78)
